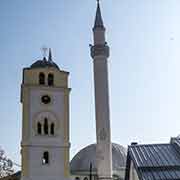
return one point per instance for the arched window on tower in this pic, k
(41, 78)
(52, 128)
(45, 159)
(50, 79)
(45, 126)
(39, 128)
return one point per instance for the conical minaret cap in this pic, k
(98, 20)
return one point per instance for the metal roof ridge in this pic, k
(158, 144)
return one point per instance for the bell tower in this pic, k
(45, 122)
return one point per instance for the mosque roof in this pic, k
(81, 161)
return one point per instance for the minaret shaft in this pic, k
(99, 36)
(103, 132)
(100, 53)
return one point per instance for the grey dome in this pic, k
(44, 63)
(81, 161)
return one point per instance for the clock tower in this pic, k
(45, 122)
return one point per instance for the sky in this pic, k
(144, 66)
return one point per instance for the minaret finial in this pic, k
(98, 21)
(50, 55)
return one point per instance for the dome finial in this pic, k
(50, 55)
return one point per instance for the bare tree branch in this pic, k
(6, 164)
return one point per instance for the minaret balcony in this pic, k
(100, 50)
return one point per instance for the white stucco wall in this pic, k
(133, 173)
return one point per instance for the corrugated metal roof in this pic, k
(160, 174)
(157, 161)
(155, 155)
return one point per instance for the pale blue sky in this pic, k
(144, 37)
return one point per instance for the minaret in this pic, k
(100, 53)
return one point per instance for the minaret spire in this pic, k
(98, 20)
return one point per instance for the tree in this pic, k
(6, 164)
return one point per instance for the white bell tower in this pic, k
(45, 122)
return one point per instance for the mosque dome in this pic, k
(81, 161)
(43, 64)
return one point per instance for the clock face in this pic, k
(45, 99)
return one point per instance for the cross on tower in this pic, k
(44, 51)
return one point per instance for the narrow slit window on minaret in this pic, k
(52, 129)
(41, 78)
(45, 159)
(50, 79)
(45, 126)
(39, 128)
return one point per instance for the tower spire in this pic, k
(98, 20)
(50, 55)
